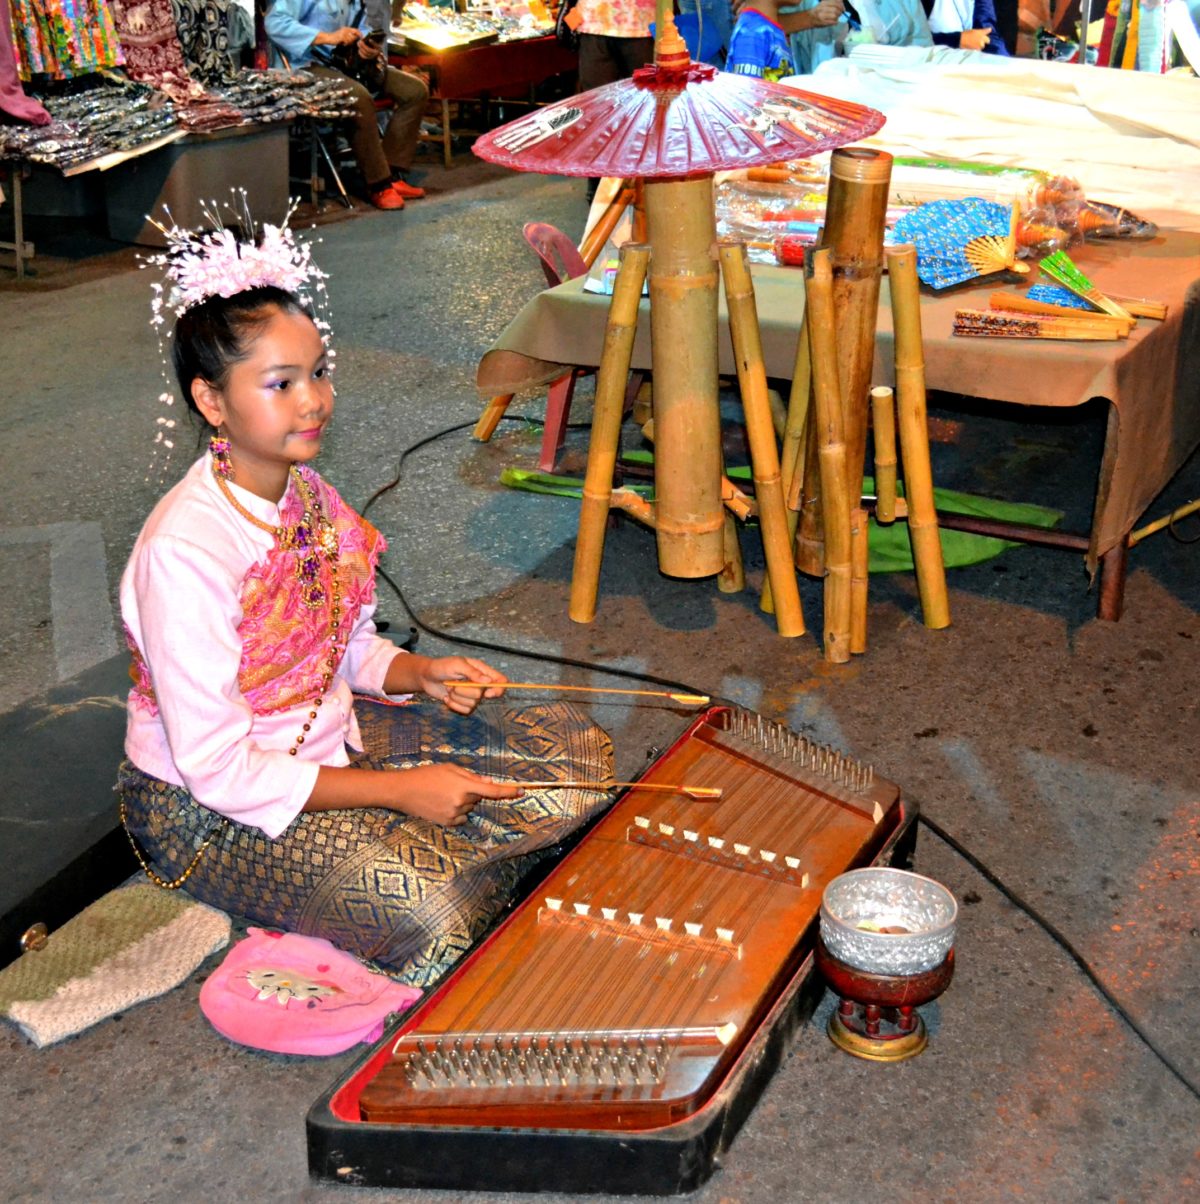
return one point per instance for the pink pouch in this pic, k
(299, 995)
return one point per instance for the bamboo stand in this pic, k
(606, 430)
(829, 429)
(854, 219)
(914, 437)
(764, 454)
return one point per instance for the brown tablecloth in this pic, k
(1152, 379)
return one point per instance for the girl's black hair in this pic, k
(213, 336)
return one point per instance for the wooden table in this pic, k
(496, 70)
(1151, 380)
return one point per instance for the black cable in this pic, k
(467, 641)
(980, 867)
(1061, 940)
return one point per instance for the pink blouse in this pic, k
(616, 18)
(228, 657)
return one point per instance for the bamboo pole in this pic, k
(485, 428)
(611, 378)
(732, 577)
(854, 217)
(791, 458)
(641, 230)
(883, 420)
(1167, 520)
(595, 239)
(764, 452)
(831, 451)
(914, 436)
(860, 559)
(683, 329)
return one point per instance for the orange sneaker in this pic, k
(410, 192)
(387, 198)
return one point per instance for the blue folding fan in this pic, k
(958, 240)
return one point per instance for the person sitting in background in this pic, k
(302, 32)
(965, 24)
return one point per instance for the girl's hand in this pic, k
(444, 794)
(974, 39)
(437, 678)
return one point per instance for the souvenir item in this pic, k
(132, 944)
(960, 240)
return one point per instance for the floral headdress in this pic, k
(219, 262)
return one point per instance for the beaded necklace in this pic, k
(313, 539)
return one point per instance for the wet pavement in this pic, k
(1060, 750)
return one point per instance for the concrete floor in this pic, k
(1059, 749)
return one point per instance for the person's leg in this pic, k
(364, 136)
(633, 53)
(410, 94)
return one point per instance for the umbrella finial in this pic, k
(670, 51)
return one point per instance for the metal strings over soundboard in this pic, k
(619, 996)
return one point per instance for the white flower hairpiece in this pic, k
(199, 264)
(216, 262)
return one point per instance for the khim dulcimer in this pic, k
(612, 1033)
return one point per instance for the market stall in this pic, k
(502, 51)
(154, 98)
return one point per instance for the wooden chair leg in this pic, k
(558, 410)
(485, 428)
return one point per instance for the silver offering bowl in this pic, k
(886, 947)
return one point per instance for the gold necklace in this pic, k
(314, 537)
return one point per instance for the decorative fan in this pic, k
(958, 240)
(1053, 294)
(1062, 270)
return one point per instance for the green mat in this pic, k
(891, 551)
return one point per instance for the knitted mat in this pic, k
(136, 942)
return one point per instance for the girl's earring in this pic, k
(218, 444)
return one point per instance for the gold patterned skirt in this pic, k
(389, 887)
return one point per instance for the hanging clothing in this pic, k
(13, 100)
(64, 38)
(153, 54)
(205, 32)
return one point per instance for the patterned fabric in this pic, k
(203, 28)
(13, 100)
(152, 51)
(63, 38)
(386, 886)
(616, 18)
(285, 643)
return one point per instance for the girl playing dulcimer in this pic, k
(254, 775)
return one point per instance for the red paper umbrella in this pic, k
(674, 120)
(673, 125)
